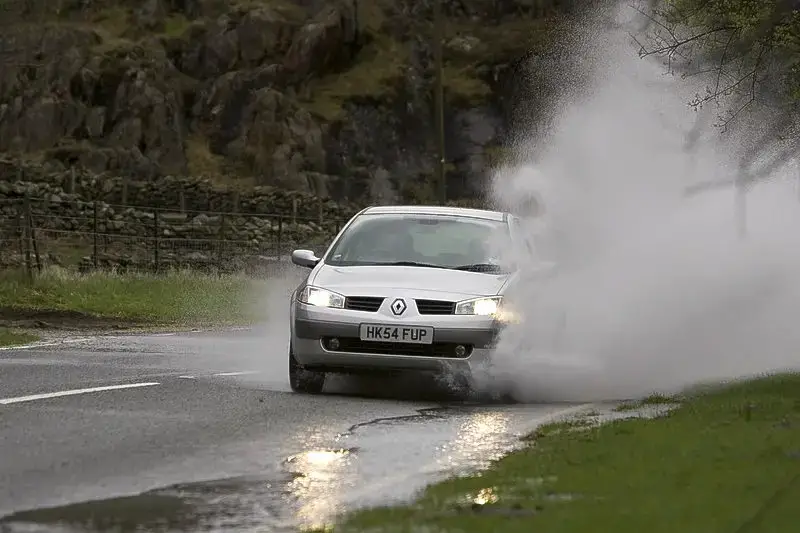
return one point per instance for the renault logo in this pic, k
(398, 307)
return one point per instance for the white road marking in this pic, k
(141, 335)
(45, 344)
(50, 344)
(73, 392)
(222, 374)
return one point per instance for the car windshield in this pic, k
(440, 241)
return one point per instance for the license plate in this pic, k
(406, 334)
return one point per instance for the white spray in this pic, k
(655, 291)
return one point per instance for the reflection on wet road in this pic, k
(218, 443)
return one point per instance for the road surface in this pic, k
(199, 431)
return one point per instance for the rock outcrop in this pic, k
(327, 98)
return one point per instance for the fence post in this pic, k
(157, 231)
(320, 207)
(181, 199)
(223, 222)
(94, 236)
(20, 232)
(294, 211)
(34, 244)
(219, 256)
(27, 232)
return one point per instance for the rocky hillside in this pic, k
(329, 97)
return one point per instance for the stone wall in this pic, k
(175, 193)
(85, 220)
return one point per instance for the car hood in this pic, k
(385, 280)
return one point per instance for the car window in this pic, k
(441, 240)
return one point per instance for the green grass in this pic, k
(169, 299)
(464, 86)
(653, 399)
(10, 337)
(378, 67)
(724, 461)
(176, 25)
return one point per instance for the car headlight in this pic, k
(480, 306)
(494, 307)
(321, 297)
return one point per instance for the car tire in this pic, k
(302, 380)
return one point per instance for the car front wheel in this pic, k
(302, 380)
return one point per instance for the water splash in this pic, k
(655, 291)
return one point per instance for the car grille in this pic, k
(363, 303)
(435, 307)
(437, 349)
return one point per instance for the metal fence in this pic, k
(37, 232)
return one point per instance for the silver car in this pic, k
(402, 288)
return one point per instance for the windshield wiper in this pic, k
(411, 264)
(481, 267)
(477, 267)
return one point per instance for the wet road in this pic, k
(199, 431)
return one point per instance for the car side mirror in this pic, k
(305, 258)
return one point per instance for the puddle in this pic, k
(486, 496)
(486, 501)
(307, 491)
(149, 512)
(320, 457)
(380, 461)
(648, 410)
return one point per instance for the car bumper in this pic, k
(314, 328)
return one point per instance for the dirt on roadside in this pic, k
(52, 319)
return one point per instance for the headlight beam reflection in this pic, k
(318, 484)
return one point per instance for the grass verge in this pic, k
(10, 337)
(177, 298)
(724, 461)
(655, 399)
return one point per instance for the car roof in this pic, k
(436, 210)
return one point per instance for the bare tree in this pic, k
(747, 65)
(743, 60)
